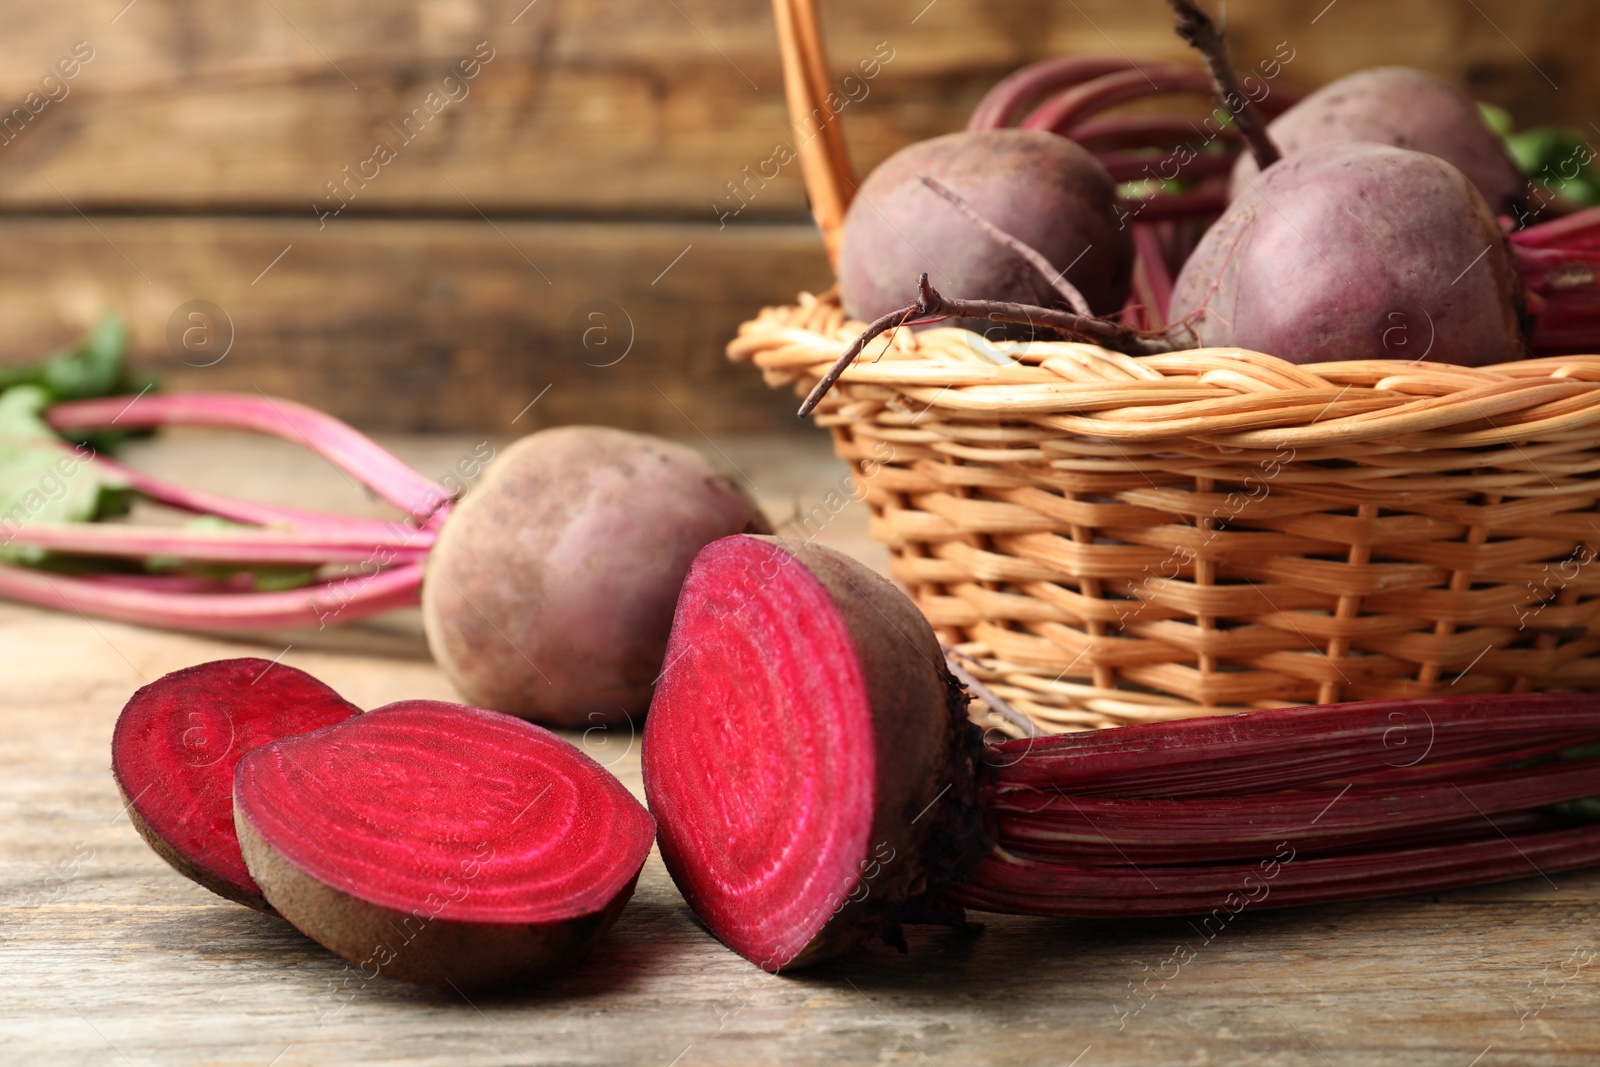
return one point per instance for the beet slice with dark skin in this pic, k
(441, 844)
(807, 754)
(175, 747)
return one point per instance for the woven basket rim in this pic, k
(1229, 397)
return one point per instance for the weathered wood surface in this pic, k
(220, 126)
(622, 106)
(433, 325)
(109, 957)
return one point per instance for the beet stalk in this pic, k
(1196, 27)
(1559, 264)
(391, 552)
(816, 781)
(1006, 101)
(1028, 887)
(1105, 830)
(598, 526)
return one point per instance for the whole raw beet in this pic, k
(550, 592)
(1038, 186)
(1403, 107)
(1355, 251)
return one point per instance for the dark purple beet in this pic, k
(1356, 250)
(1403, 107)
(1040, 187)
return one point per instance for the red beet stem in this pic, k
(242, 511)
(1578, 231)
(1138, 166)
(1285, 747)
(1073, 105)
(1111, 831)
(1108, 132)
(253, 545)
(1002, 104)
(1204, 202)
(1006, 883)
(391, 553)
(352, 452)
(313, 605)
(237, 582)
(1152, 279)
(1558, 263)
(1454, 770)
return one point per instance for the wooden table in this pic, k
(108, 956)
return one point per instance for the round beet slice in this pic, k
(441, 844)
(807, 798)
(175, 747)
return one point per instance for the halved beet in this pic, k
(175, 747)
(816, 781)
(810, 793)
(441, 844)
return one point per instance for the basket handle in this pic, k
(824, 160)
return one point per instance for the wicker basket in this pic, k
(1119, 540)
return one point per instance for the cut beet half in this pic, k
(815, 779)
(802, 786)
(441, 844)
(175, 747)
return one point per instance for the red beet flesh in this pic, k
(174, 751)
(441, 844)
(796, 750)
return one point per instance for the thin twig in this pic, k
(1196, 27)
(996, 704)
(930, 305)
(1035, 259)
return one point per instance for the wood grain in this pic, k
(600, 139)
(112, 958)
(427, 325)
(623, 106)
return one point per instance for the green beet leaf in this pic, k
(43, 479)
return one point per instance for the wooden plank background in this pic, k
(196, 141)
